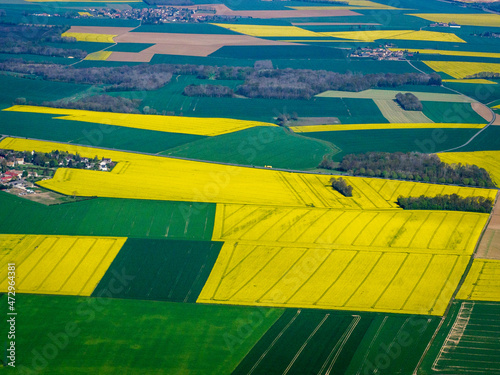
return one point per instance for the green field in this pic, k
(279, 52)
(447, 112)
(257, 146)
(332, 342)
(112, 336)
(163, 270)
(44, 126)
(482, 93)
(395, 140)
(129, 47)
(109, 217)
(36, 90)
(467, 342)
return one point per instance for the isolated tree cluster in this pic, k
(341, 186)
(409, 102)
(215, 91)
(413, 166)
(453, 202)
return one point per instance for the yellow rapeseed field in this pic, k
(448, 53)
(172, 124)
(85, 14)
(151, 177)
(88, 37)
(100, 55)
(351, 4)
(328, 128)
(489, 160)
(268, 31)
(377, 230)
(461, 69)
(281, 275)
(68, 265)
(491, 20)
(372, 35)
(482, 282)
(475, 81)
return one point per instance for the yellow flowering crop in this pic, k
(489, 160)
(448, 53)
(274, 274)
(152, 177)
(461, 69)
(328, 128)
(492, 20)
(372, 35)
(89, 37)
(68, 265)
(482, 283)
(100, 55)
(172, 124)
(268, 31)
(450, 232)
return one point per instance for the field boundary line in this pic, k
(310, 276)
(418, 282)
(345, 336)
(255, 274)
(200, 272)
(436, 229)
(364, 279)
(407, 255)
(375, 237)
(234, 244)
(418, 229)
(364, 228)
(447, 279)
(81, 260)
(96, 268)
(274, 342)
(371, 344)
(258, 300)
(305, 344)
(334, 281)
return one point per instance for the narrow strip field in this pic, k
(99, 56)
(489, 247)
(151, 177)
(387, 230)
(88, 37)
(161, 270)
(335, 342)
(467, 343)
(172, 124)
(282, 275)
(448, 53)
(482, 282)
(57, 264)
(429, 125)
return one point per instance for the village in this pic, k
(21, 170)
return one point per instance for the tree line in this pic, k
(413, 166)
(409, 102)
(215, 91)
(30, 39)
(453, 202)
(101, 103)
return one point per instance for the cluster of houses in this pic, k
(379, 54)
(147, 15)
(444, 24)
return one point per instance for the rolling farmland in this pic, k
(467, 342)
(384, 230)
(58, 264)
(118, 336)
(339, 342)
(482, 283)
(179, 217)
(281, 275)
(172, 124)
(461, 69)
(109, 217)
(161, 270)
